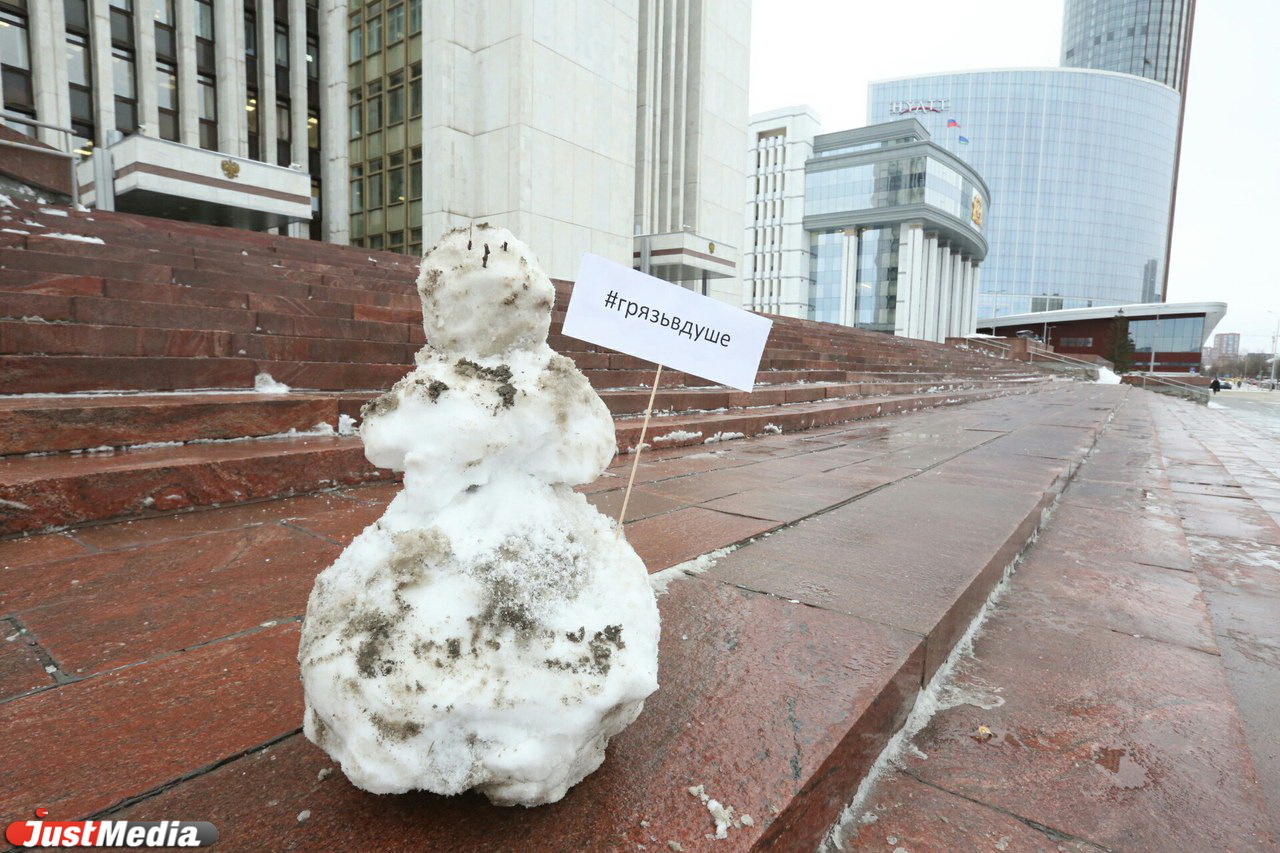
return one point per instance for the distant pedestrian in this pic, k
(1215, 385)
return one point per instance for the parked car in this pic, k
(1029, 335)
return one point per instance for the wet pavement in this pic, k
(1258, 409)
(1122, 693)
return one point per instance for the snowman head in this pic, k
(484, 294)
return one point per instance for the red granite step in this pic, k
(681, 430)
(28, 374)
(49, 262)
(50, 424)
(67, 490)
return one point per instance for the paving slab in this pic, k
(83, 747)
(907, 814)
(103, 610)
(753, 733)
(1112, 701)
(21, 668)
(920, 556)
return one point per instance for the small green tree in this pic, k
(1119, 348)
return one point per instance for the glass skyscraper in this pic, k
(1080, 168)
(1146, 38)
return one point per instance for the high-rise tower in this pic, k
(1145, 38)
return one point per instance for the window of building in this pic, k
(204, 19)
(253, 123)
(415, 90)
(313, 130)
(373, 111)
(284, 134)
(395, 102)
(415, 16)
(313, 52)
(15, 64)
(355, 44)
(415, 241)
(76, 15)
(250, 33)
(124, 85)
(415, 173)
(375, 242)
(165, 21)
(207, 87)
(373, 33)
(395, 24)
(356, 114)
(206, 61)
(80, 88)
(121, 17)
(282, 46)
(373, 188)
(1076, 343)
(167, 100)
(357, 195)
(395, 177)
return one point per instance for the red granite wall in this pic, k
(49, 172)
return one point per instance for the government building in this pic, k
(586, 126)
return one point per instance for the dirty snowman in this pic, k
(491, 631)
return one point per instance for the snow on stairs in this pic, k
(196, 311)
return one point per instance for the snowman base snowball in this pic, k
(491, 631)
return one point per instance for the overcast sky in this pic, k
(1226, 239)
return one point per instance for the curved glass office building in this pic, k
(1080, 168)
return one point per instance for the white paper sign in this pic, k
(623, 309)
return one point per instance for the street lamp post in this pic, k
(1275, 350)
(1154, 337)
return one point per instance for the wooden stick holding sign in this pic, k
(624, 309)
(635, 460)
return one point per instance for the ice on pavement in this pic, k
(491, 631)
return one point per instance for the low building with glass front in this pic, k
(1167, 337)
(1080, 163)
(895, 225)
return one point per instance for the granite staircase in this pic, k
(130, 348)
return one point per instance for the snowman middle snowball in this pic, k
(491, 631)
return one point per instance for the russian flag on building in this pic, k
(952, 123)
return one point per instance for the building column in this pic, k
(849, 277)
(228, 31)
(955, 297)
(144, 33)
(933, 280)
(942, 299)
(298, 82)
(334, 147)
(962, 314)
(266, 81)
(973, 299)
(910, 238)
(49, 72)
(188, 91)
(929, 253)
(942, 306)
(104, 104)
